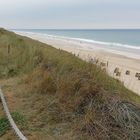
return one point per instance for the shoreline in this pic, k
(109, 59)
(111, 47)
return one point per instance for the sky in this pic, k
(69, 14)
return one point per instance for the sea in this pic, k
(123, 41)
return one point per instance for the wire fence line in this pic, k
(10, 119)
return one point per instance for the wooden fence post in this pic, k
(9, 48)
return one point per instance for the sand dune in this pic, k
(111, 60)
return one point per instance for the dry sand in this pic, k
(114, 60)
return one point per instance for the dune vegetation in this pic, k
(63, 97)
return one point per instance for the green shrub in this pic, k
(17, 117)
(4, 126)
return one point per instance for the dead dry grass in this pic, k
(63, 97)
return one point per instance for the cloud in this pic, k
(69, 13)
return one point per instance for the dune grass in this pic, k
(72, 99)
(5, 126)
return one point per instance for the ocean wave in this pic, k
(108, 43)
(87, 40)
(98, 42)
(134, 51)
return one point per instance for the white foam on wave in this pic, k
(88, 41)
(110, 43)
(102, 45)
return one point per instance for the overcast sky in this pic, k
(70, 13)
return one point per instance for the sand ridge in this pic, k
(111, 60)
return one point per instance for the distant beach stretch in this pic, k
(122, 66)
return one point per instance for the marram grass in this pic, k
(71, 99)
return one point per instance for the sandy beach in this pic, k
(110, 59)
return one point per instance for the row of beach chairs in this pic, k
(118, 73)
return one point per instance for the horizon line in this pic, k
(73, 28)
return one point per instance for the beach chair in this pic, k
(137, 75)
(116, 70)
(118, 74)
(127, 72)
(102, 64)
